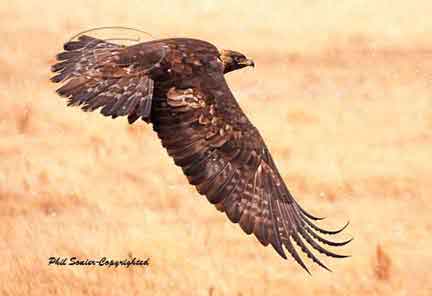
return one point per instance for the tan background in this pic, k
(341, 92)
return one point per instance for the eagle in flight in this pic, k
(178, 86)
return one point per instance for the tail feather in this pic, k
(93, 78)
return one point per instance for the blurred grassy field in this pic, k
(342, 94)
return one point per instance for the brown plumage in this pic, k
(178, 85)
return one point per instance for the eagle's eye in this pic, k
(238, 59)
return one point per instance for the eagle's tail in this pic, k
(81, 55)
(95, 78)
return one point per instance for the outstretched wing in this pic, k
(224, 156)
(103, 74)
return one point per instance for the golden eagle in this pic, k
(178, 85)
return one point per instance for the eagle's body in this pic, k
(178, 85)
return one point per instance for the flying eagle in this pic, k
(178, 86)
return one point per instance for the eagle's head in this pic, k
(233, 60)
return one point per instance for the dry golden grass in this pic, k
(341, 93)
